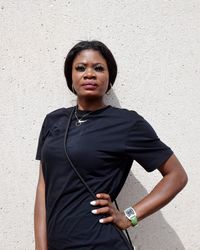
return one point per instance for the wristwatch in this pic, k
(131, 215)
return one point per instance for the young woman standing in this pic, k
(102, 142)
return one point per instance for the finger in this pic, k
(100, 203)
(106, 220)
(103, 210)
(103, 196)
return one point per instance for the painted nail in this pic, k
(93, 203)
(101, 220)
(94, 211)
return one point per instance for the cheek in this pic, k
(107, 82)
(73, 77)
(104, 78)
(76, 77)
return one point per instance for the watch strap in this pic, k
(134, 220)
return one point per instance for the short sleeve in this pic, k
(144, 146)
(42, 136)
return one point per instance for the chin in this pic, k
(90, 95)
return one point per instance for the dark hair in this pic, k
(94, 45)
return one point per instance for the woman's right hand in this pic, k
(114, 215)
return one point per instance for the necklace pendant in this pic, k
(79, 122)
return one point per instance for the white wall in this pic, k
(157, 46)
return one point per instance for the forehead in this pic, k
(89, 55)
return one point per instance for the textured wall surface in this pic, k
(157, 46)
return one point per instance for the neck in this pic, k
(90, 105)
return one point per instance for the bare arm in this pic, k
(173, 181)
(40, 214)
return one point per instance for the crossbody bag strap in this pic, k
(69, 160)
(83, 181)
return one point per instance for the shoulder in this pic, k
(129, 115)
(59, 112)
(56, 115)
(135, 122)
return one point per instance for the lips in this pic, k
(89, 85)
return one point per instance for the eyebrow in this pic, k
(92, 64)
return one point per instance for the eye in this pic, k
(80, 68)
(99, 68)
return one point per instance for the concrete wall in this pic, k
(157, 46)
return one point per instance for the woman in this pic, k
(102, 143)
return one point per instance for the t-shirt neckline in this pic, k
(93, 112)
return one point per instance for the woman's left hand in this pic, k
(114, 215)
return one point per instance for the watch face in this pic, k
(130, 212)
(131, 215)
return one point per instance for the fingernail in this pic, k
(94, 211)
(101, 220)
(93, 203)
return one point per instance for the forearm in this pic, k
(40, 220)
(170, 185)
(157, 198)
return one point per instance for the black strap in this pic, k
(71, 163)
(81, 178)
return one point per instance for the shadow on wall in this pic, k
(153, 233)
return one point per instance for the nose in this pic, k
(89, 74)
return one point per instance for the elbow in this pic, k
(184, 180)
(179, 179)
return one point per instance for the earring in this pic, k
(109, 91)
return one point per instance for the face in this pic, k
(90, 74)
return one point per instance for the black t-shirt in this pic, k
(102, 149)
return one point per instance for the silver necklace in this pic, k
(80, 120)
